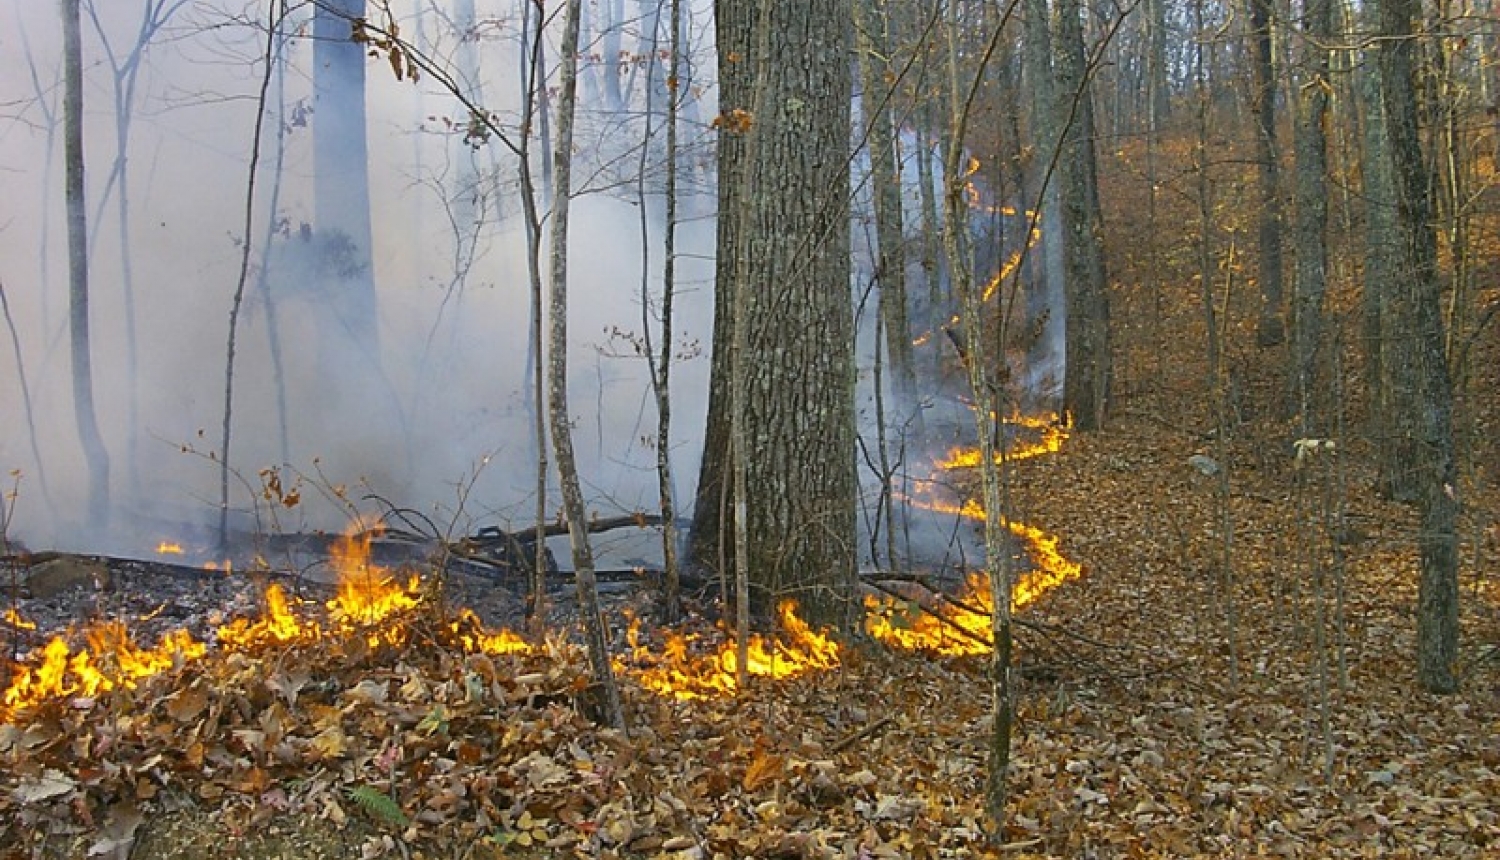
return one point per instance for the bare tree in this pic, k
(78, 268)
(1415, 327)
(273, 27)
(124, 76)
(1270, 330)
(557, 380)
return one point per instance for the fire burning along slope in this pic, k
(960, 625)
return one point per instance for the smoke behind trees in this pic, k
(452, 356)
(444, 397)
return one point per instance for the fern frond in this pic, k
(379, 805)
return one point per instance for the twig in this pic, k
(863, 733)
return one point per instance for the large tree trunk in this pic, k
(1415, 323)
(792, 249)
(94, 451)
(557, 384)
(1087, 377)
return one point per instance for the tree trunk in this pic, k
(1087, 377)
(798, 314)
(1270, 330)
(557, 383)
(890, 268)
(1046, 297)
(341, 179)
(1312, 217)
(1415, 323)
(1158, 88)
(1389, 398)
(94, 451)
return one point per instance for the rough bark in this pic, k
(94, 451)
(557, 383)
(793, 250)
(1087, 376)
(1415, 323)
(1312, 216)
(1270, 330)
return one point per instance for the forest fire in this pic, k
(372, 603)
(110, 659)
(1051, 432)
(960, 626)
(676, 671)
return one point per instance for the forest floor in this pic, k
(1163, 712)
(1231, 676)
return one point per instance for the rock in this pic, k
(1204, 464)
(64, 572)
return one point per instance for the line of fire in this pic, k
(392, 605)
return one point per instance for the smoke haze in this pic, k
(436, 418)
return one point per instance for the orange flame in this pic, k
(110, 660)
(367, 593)
(14, 620)
(679, 672)
(961, 626)
(685, 667)
(169, 548)
(475, 637)
(276, 626)
(1052, 433)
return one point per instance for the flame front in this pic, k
(960, 626)
(370, 602)
(111, 659)
(683, 674)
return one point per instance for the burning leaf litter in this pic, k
(686, 666)
(341, 696)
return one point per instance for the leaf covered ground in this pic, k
(1144, 728)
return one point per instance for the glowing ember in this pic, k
(169, 548)
(679, 672)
